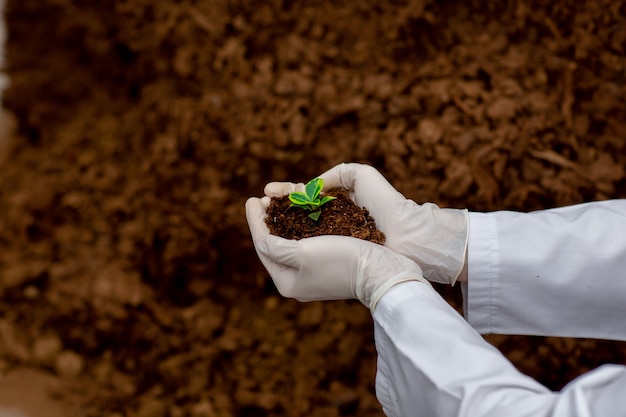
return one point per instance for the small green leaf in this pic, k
(309, 200)
(299, 198)
(313, 188)
(326, 199)
(315, 215)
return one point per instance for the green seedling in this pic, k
(310, 198)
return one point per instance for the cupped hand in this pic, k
(327, 267)
(433, 237)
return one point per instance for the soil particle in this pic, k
(69, 364)
(203, 409)
(502, 108)
(46, 349)
(152, 408)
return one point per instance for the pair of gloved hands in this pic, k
(423, 243)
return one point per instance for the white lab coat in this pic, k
(559, 272)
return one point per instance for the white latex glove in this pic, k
(327, 267)
(433, 237)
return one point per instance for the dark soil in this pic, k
(126, 265)
(338, 217)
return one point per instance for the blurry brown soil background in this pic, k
(126, 266)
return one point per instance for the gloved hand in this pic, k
(433, 237)
(327, 267)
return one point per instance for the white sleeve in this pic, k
(431, 363)
(558, 272)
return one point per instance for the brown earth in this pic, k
(337, 217)
(127, 271)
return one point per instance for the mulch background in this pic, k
(126, 267)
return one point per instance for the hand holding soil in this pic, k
(433, 237)
(324, 268)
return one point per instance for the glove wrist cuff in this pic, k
(397, 279)
(463, 269)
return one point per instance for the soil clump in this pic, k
(338, 217)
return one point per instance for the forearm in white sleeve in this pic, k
(558, 272)
(431, 363)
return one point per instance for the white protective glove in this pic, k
(327, 267)
(433, 237)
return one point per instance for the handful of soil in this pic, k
(338, 217)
